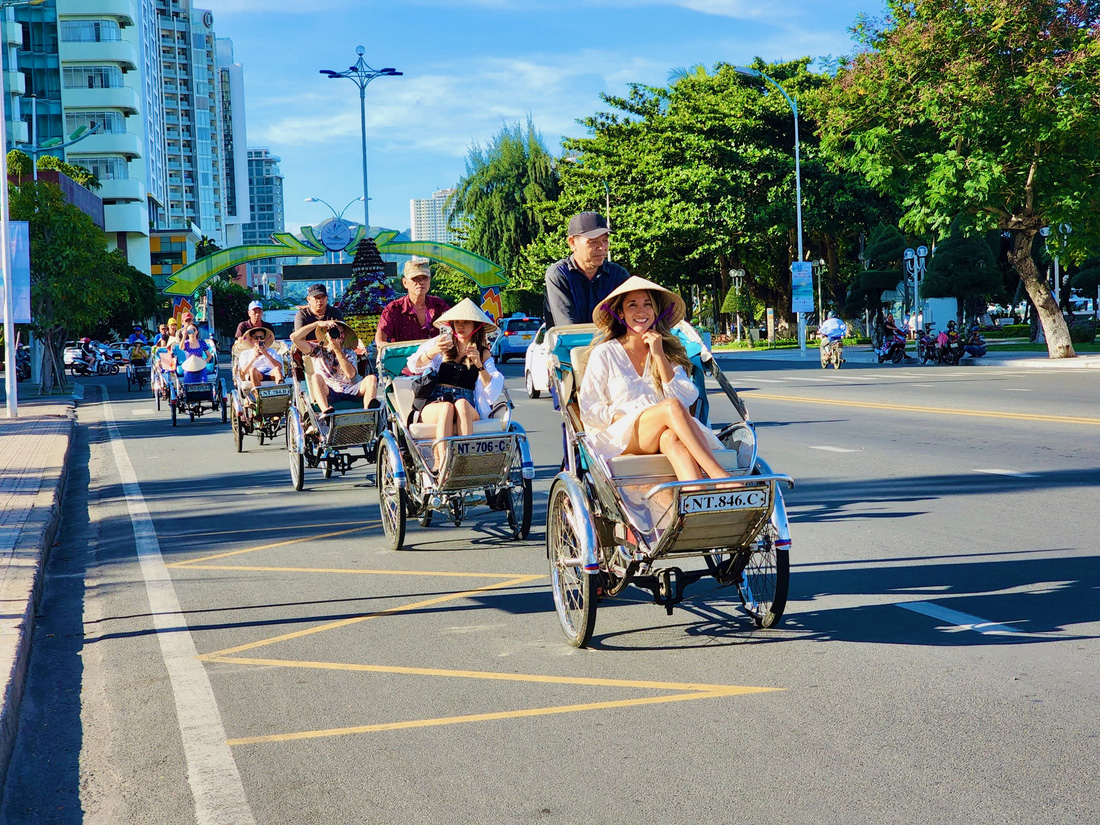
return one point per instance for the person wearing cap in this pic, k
(173, 332)
(335, 377)
(138, 334)
(635, 394)
(317, 308)
(576, 285)
(467, 381)
(258, 361)
(255, 320)
(413, 317)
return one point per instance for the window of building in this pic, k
(92, 77)
(90, 31)
(111, 123)
(104, 168)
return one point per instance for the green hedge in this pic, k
(526, 301)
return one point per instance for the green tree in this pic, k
(74, 279)
(231, 302)
(883, 256)
(77, 173)
(982, 110)
(138, 299)
(963, 268)
(493, 207)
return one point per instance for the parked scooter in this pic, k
(22, 362)
(927, 350)
(950, 345)
(893, 347)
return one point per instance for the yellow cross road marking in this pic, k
(348, 570)
(357, 619)
(1054, 419)
(271, 529)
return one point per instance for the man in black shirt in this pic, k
(316, 309)
(576, 285)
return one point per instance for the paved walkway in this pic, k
(34, 449)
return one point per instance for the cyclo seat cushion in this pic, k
(648, 466)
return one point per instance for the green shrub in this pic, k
(526, 301)
(1082, 332)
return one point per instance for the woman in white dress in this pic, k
(636, 392)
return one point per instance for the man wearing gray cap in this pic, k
(576, 285)
(255, 320)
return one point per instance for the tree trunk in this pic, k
(1050, 317)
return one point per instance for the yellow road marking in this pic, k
(269, 529)
(488, 674)
(434, 573)
(355, 620)
(484, 717)
(1054, 419)
(272, 546)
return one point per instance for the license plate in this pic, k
(273, 392)
(526, 337)
(487, 447)
(732, 500)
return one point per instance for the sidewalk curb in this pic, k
(21, 588)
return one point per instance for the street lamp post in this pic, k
(915, 265)
(745, 70)
(10, 377)
(1063, 230)
(361, 75)
(737, 276)
(337, 215)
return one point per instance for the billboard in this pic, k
(20, 273)
(802, 286)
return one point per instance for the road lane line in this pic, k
(1011, 473)
(962, 621)
(268, 546)
(1017, 389)
(403, 608)
(1052, 419)
(433, 573)
(143, 412)
(211, 770)
(835, 449)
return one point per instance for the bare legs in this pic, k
(669, 429)
(447, 417)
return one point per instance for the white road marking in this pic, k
(211, 770)
(1011, 473)
(143, 412)
(765, 380)
(1017, 389)
(810, 378)
(922, 385)
(835, 449)
(959, 621)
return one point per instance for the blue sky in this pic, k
(470, 66)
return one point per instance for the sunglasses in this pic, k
(259, 337)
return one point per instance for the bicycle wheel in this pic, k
(391, 498)
(238, 432)
(574, 590)
(297, 461)
(518, 501)
(764, 583)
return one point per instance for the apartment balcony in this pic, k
(119, 97)
(126, 189)
(125, 143)
(126, 217)
(111, 51)
(15, 83)
(124, 11)
(11, 32)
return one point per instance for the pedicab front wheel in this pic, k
(764, 583)
(574, 589)
(519, 498)
(297, 460)
(391, 497)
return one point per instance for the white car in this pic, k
(536, 365)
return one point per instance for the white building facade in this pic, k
(429, 217)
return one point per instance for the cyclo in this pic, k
(605, 528)
(260, 411)
(491, 466)
(334, 442)
(196, 397)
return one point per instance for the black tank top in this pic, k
(458, 375)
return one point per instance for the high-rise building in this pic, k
(429, 218)
(234, 141)
(265, 195)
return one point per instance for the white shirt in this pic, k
(832, 328)
(611, 386)
(484, 394)
(251, 358)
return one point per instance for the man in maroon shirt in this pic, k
(413, 317)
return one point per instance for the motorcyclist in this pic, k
(833, 329)
(88, 352)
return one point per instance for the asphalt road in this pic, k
(938, 660)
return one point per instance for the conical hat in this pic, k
(670, 307)
(466, 310)
(269, 337)
(194, 364)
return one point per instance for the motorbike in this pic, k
(832, 352)
(22, 362)
(893, 347)
(927, 349)
(98, 366)
(950, 347)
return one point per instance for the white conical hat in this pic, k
(671, 307)
(194, 364)
(466, 310)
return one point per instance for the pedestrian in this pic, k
(576, 285)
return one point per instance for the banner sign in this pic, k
(20, 274)
(802, 286)
(491, 303)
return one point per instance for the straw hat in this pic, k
(670, 306)
(466, 310)
(194, 364)
(269, 336)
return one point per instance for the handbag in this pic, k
(423, 385)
